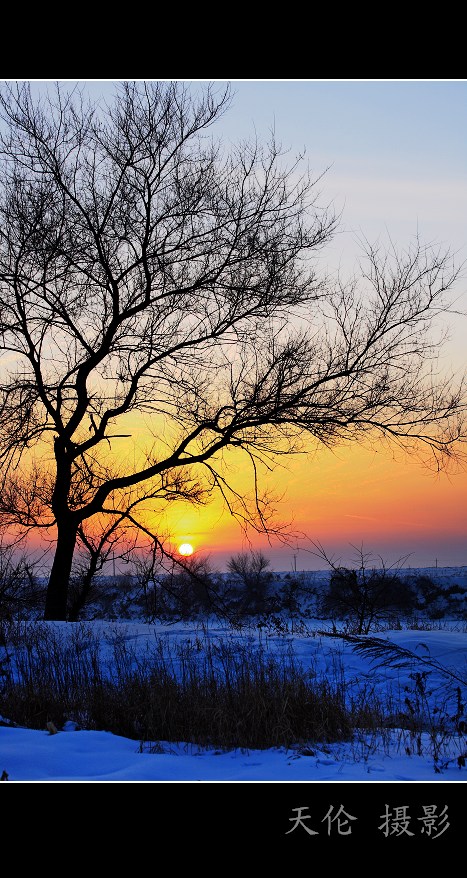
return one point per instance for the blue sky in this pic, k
(396, 153)
(396, 150)
(411, 134)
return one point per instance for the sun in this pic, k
(185, 549)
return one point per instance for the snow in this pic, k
(75, 754)
(29, 755)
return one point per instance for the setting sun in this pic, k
(185, 549)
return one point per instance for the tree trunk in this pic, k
(57, 589)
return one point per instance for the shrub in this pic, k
(21, 592)
(253, 579)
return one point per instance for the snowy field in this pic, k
(75, 754)
(99, 756)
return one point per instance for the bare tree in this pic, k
(366, 592)
(20, 589)
(110, 541)
(143, 269)
(252, 571)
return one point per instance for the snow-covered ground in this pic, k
(82, 755)
(29, 755)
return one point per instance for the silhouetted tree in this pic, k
(145, 269)
(21, 591)
(192, 587)
(251, 571)
(364, 594)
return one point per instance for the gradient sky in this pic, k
(396, 154)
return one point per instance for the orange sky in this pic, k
(350, 496)
(353, 495)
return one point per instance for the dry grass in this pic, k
(229, 693)
(226, 694)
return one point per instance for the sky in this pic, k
(394, 159)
